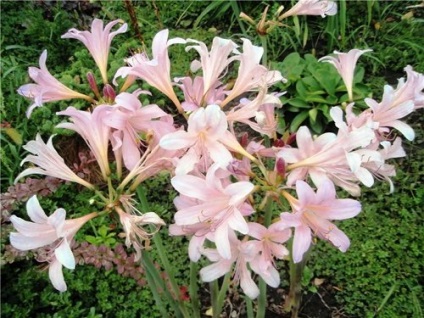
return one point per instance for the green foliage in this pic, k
(381, 273)
(91, 293)
(312, 89)
(102, 237)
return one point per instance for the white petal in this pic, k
(35, 211)
(56, 276)
(64, 255)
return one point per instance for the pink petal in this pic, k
(177, 140)
(216, 270)
(56, 276)
(222, 241)
(247, 284)
(25, 243)
(301, 242)
(35, 211)
(64, 255)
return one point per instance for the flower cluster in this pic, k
(241, 196)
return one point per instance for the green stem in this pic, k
(249, 307)
(163, 255)
(218, 295)
(154, 288)
(294, 298)
(214, 289)
(194, 290)
(262, 285)
(265, 47)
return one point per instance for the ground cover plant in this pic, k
(196, 117)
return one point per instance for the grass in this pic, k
(382, 273)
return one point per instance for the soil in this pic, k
(321, 304)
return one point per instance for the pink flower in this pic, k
(44, 231)
(269, 242)
(311, 7)
(213, 62)
(193, 93)
(206, 136)
(47, 87)
(312, 213)
(133, 222)
(242, 253)
(325, 157)
(345, 64)
(48, 162)
(412, 89)
(252, 75)
(98, 41)
(387, 113)
(156, 71)
(91, 128)
(129, 118)
(261, 109)
(223, 214)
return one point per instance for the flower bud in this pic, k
(109, 93)
(93, 84)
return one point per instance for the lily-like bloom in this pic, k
(52, 231)
(345, 64)
(133, 222)
(311, 7)
(324, 158)
(387, 113)
(48, 162)
(252, 75)
(223, 214)
(98, 41)
(412, 89)
(155, 71)
(207, 136)
(91, 128)
(129, 119)
(213, 62)
(270, 244)
(193, 93)
(258, 113)
(46, 88)
(312, 213)
(242, 253)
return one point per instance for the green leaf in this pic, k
(298, 120)
(313, 114)
(311, 83)
(298, 102)
(317, 99)
(301, 89)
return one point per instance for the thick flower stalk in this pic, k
(52, 231)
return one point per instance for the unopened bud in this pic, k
(279, 143)
(93, 84)
(280, 167)
(109, 93)
(291, 139)
(244, 140)
(246, 18)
